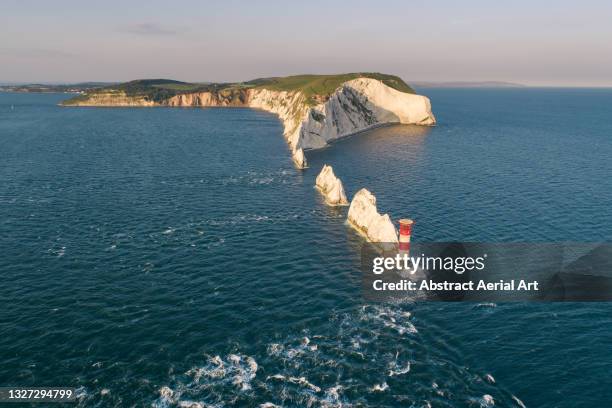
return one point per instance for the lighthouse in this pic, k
(404, 236)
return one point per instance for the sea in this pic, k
(174, 257)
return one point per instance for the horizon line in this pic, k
(416, 83)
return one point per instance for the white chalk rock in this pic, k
(299, 159)
(357, 105)
(360, 104)
(331, 187)
(363, 216)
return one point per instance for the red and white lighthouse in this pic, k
(404, 235)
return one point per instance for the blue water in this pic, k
(179, 248)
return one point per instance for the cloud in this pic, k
(148, 29)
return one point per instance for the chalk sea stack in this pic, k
(364, 217)
(331, 187)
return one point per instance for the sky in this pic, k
(541, 43)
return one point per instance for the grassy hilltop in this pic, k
(314, 87)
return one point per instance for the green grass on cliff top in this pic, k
(323, 85)
(312, 86)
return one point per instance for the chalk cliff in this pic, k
(364, 217)
(358, 105)
(111, 98)
(299, 159)
(331, 187)
(315, 112)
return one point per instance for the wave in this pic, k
(255, 178)
(364, 356)
(235, 371)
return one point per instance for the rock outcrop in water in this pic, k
(331, 187)
(364, 217)
(299, 159)
(315, 109)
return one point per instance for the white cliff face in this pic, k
(361, 104)
(389, 104)
(114, 98)
(192, 99)
(331, 187)
(363, 216)
(289, 106)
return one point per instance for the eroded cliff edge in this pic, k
(315, 109)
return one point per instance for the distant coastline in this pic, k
(81, 87)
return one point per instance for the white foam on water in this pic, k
(282, 176)
(58, 252)
(81, 393)
(402, 329)
(332, 396)
(235, 371)
(486, 305)
(262, 180)
(290, 353)
(240, 369)
(191, 404)
(300, 369)
(436, 388)
(243, 377)
(488, 400)
(390, 317)
(166, 398)
(380, 387)
(518, 402)
(399, 370)
(302, 381)
(253, 366)
(274, 349)
(216, 243)
(306, 344)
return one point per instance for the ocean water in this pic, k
(174, 257)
